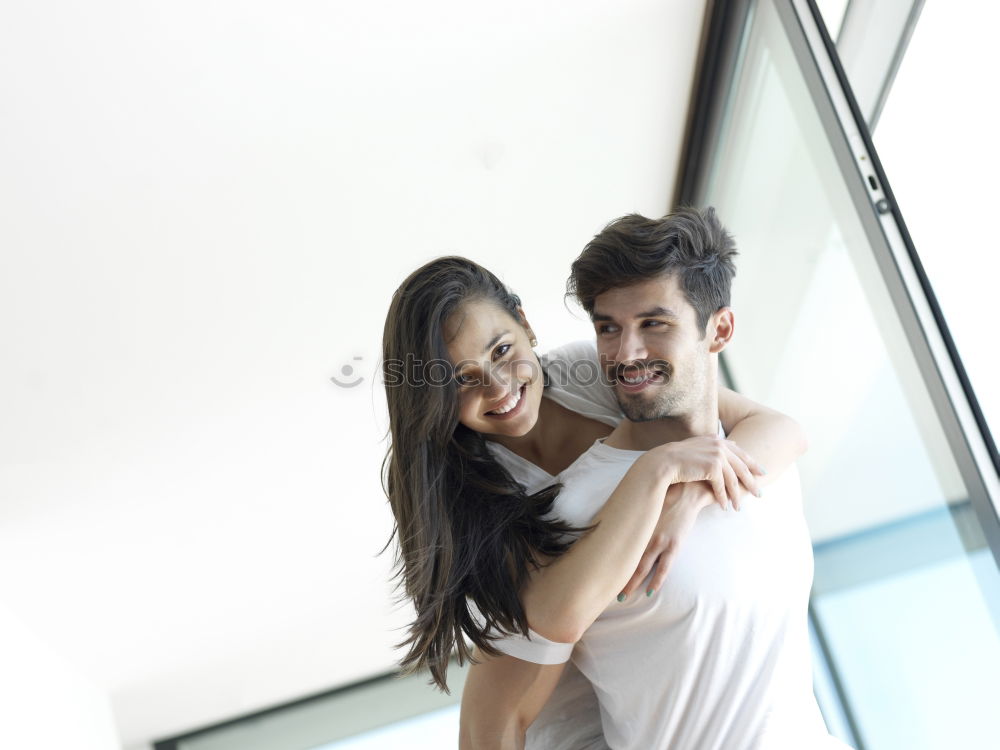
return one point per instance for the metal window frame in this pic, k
(399, 697)
(891, 40)
(950, 391)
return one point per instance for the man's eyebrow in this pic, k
(656, 312)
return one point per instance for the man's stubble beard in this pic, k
(670, 402)
(674, 398)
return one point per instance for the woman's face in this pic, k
(498, 376)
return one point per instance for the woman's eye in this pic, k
(464, 380)
(501, 350)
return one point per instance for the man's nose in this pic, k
(631, 348)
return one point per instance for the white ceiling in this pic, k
(207, 207)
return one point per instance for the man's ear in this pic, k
(527, 326)
(720, 329)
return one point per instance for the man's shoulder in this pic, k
(589, 481)
(783, 495)
(580, 467)
(599, 457)
(567, 354)
(788, 481)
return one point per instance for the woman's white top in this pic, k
(571, 718)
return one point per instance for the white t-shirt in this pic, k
(717, 659)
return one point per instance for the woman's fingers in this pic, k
(754, 467)
(732, 485)
(645, 565)
(742, 472)
(658, 563)
(746, 478)
(719, 489)
(662, 568)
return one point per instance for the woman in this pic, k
(473, 425)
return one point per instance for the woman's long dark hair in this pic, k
(466, 529)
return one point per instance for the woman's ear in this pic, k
(720, 329)
(527, 326)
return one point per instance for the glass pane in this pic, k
(944, 63)
(936, 109)
(906, 595)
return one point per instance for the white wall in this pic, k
(206, 208)
(46, 704)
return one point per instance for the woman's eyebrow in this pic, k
(494, 340)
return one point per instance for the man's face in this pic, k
(653, 350)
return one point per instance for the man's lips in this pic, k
(635, 381)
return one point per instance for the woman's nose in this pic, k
(497, 382)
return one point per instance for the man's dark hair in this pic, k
(689, 242)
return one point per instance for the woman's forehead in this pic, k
(473, 327)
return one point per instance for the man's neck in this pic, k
(642, 436)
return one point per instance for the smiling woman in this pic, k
(466, 529)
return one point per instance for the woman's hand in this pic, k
(720, 462)
(680, 509)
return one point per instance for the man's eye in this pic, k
(500, 351)
(607, 329)
(650, 323)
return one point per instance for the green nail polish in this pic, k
(758, 493)
(649, 592)
(621, 596)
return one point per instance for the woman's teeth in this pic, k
(509, 404)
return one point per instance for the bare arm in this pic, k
(772, 438)
(502, 696)
(769, 435)
(563, 597)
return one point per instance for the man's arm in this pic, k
(502, 696)
(775, 440)
(563, 596)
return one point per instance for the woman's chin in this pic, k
(517, 429)
(513, 428)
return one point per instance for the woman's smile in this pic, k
(510, 407)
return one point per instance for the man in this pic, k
(719, 659)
